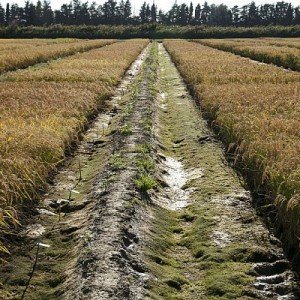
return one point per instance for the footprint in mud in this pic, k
(275, 280)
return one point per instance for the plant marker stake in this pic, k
(70, 193)
(34, 265)
(74, 191)
(80, 174)
(43, 245)
(59, 211)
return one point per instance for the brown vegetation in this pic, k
(280, 52)
(20, 53)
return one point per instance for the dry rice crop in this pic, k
(16, 54)
(279, 52)
(256, 108)
(40, 119)
(286, 42)
(108, 65)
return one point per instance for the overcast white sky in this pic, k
(165, 5)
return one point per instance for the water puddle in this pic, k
(176, 178)
(176, 195)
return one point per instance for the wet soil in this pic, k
(148, 208)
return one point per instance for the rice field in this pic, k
(20, 53)
(107, 64)
(281, 52)
(44, 108)
(256, 109)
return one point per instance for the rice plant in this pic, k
(256, 109)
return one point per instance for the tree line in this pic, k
(112, 12)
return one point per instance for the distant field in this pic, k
(256, 108)
(282, 52)
(44, 108)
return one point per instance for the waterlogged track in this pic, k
(157, 214)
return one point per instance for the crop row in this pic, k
(39, 119)
(16, 54)
(107, 66)
(278, 42)
(256, 108)
(282, 53)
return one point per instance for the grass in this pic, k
(40, 119)
(256, 109)
(283, 53)
(126, 129)
(145, 182)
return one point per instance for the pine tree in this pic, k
(289, 15)
(2, 16)
(153, 13)
(253, 16)
(235, 15)
(205, 13)
(143, 15)
(127, 12)
(198, 14)
(297, 16)
(191, 13)
(7, 14)
(93, 12)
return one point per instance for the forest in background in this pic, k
(112, 12)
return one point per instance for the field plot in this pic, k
(107, 66)
(21, 53)
(257, 110)
(286, 42)
(39, 120)
(146, 207)
(280, 52)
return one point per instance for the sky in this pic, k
(164, 5)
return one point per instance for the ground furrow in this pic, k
(111, 268)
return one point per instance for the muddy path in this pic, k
(148, 208)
